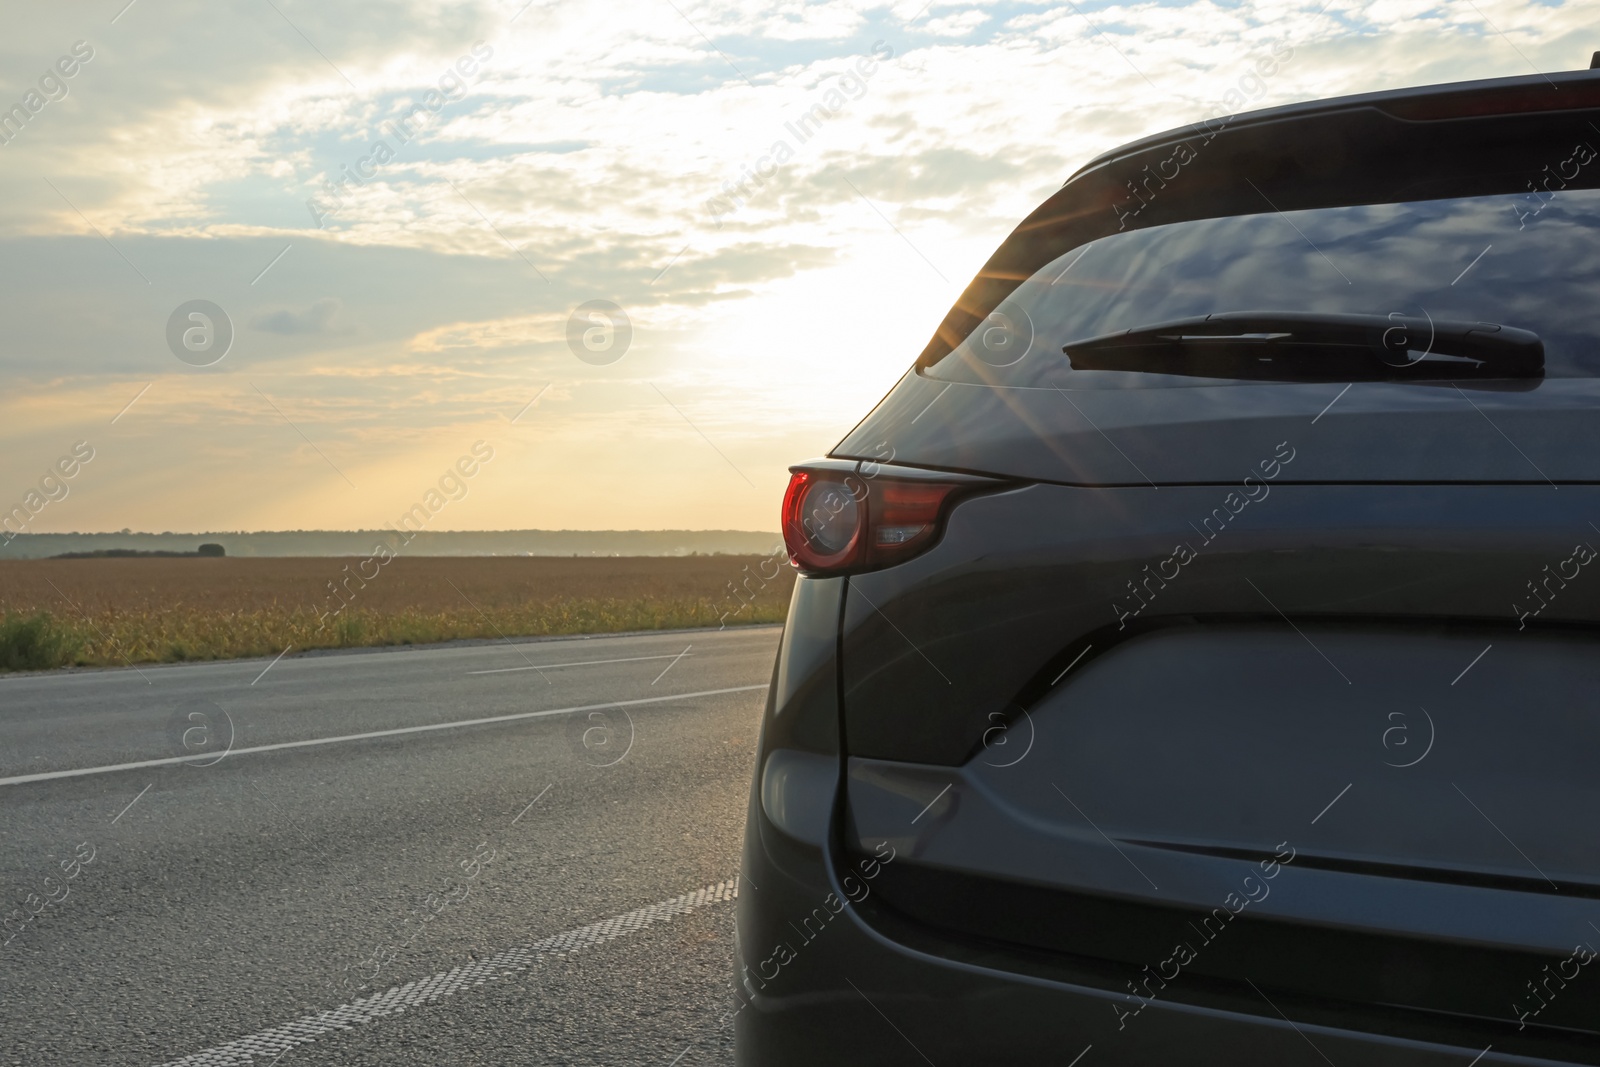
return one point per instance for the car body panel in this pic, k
(1229, 721)
(940, 649)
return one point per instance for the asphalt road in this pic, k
(333, 862)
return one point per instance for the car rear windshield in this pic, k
(1413, 271)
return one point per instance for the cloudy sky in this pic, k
(397, 294)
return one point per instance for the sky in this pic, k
(399, 217)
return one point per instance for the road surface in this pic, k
(334, 859)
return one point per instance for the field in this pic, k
(105, 612)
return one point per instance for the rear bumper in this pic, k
(821, 983)
(828, 972)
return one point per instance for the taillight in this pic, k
(823, 521)
(841, 522)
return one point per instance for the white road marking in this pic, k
(112, 768)
(273, 1042)
(411, 653)
(579, 663)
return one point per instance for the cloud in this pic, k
(576, 165)
(314, 321)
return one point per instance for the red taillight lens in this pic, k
(823, 519)
(838, 523)
(905, 514)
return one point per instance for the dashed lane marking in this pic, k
(268, 1044)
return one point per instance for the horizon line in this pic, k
(382, 529)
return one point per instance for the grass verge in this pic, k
(118, 638)
(37, 643)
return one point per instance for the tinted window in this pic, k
(1518, 261)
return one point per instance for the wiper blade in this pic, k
(1290, 346)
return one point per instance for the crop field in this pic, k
(106, 612)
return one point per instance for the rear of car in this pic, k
(1194, 658)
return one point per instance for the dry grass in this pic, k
(116, 611)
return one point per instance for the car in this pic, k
(1194, 655)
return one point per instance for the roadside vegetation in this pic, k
(37, 643)
(110, 612)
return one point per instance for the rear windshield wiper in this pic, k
(1289, 346)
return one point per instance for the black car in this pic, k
(1195, 658)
